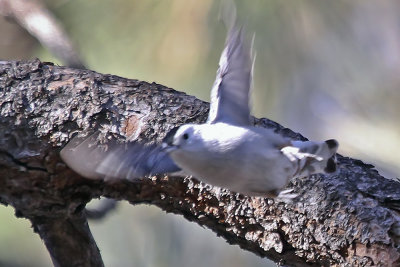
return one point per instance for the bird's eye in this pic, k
(185, 136)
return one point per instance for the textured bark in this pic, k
(348, 219)
(68, 240)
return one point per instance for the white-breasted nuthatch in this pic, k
(227, 151)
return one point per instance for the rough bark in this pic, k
(347, 219)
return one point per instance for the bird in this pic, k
(227, 150)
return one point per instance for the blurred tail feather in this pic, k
(312, 157)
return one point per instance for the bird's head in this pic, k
(182, 137)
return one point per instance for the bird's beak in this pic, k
(165, 147)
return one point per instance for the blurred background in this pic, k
(327, 69)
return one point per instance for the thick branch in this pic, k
(68, 240)
(346, 219)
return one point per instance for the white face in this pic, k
(185, 137)
(199, 137)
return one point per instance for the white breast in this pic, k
(237, 158)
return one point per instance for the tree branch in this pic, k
(348, 219)
(34, 17)
(68, 240)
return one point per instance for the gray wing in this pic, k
(231, 89)
(115, 160)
